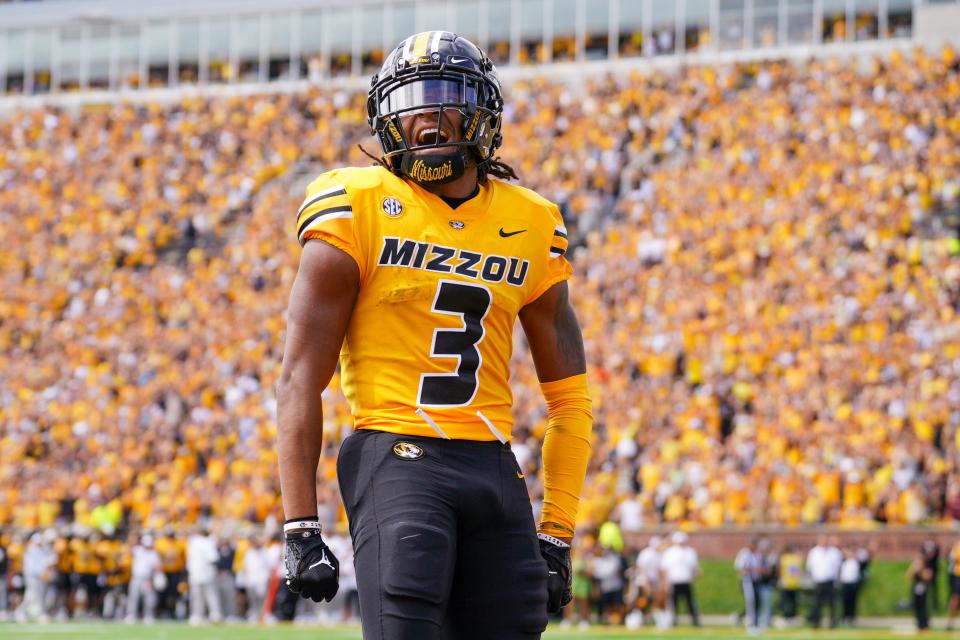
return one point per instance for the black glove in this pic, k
(560, 575)
(311, 568)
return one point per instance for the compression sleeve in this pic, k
(566, 451)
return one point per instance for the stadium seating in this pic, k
(769, 304)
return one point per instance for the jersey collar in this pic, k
(477, 205)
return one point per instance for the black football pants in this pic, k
(444, 540)
(684, 590)
(823, 593)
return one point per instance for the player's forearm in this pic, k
(299, 443)
(566, 452)
(321, 302)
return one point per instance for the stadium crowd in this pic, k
(199, 576)
(768, 298)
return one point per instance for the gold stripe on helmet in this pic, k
(419, 49)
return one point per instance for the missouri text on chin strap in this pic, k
(433, 168)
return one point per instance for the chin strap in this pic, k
(433, 168)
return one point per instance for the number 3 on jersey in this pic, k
(471, 302)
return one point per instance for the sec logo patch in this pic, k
(407, 451)
(392, 207)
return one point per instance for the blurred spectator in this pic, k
(823, 565)
(610, 536)
(38, 562)
(647, 576)
(920, 576)
(791, 579)
(931, 554)
(202, 557)
(582, 585)
(15, 550)
(629, 514)
(255, 576)
(680, 566)
(749, 564)
(608, 570)
(87, 569)
(63, 600)
(173, 561)
(146, 579)
(850, 580)
(118, 564)
(225, 580)
(767, 582)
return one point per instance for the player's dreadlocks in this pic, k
(496, 168)
(380, 161)
(490, 167)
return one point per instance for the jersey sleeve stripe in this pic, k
(322, 216)
(560, 230)
(336, 190)
(323, 205)
(560, 234)
(556, 252)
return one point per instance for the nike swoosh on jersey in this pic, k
(507, 234)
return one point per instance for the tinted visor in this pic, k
(428, 93)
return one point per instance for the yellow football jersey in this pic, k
(428, 347)
(173, 554)
(85, 557)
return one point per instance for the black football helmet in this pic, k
(435, 71)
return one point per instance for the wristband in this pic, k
(546, 537)
(305, 523)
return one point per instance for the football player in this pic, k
(414, 271)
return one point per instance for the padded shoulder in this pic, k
(354, 180)
(529, 196)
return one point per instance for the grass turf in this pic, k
(178, 631)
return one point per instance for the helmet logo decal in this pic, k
(395, 133)
(407, 451)
(420, 172)
(472, 127)
(392, 207)
(417, 47)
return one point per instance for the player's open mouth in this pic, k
(431, 135)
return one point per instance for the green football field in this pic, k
(178, 631)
